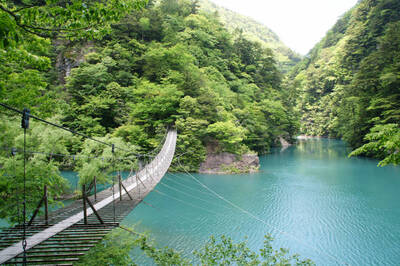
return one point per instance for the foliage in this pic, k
(161, 256)
(26, 53)
(228, 134)
(42, 167)
(139, 73)
(115, 248)
(22, 75)
(172, 65)
(98, 160)
(155, 102)
(55, 18)
(112, 250)
(383, 140)
(256, 32)
(190, 150)
(348, 85)
(226, 252)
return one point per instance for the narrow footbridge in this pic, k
(68, 233)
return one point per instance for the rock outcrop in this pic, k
(228, 163)
(284, 143)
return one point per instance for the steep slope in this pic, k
(350, 81)
(254, 31)
(167, 65)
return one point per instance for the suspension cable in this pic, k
(71, 156)
(63, 128)
(206, 193)
(184, 202)
(193, 197)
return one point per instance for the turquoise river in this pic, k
(312, 198)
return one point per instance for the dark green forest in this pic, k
(138, 70)
(348, 86)
(124, 71)
(168, 64)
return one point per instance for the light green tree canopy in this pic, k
(383, 140)
(59, 18)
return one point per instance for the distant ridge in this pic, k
(255, 31)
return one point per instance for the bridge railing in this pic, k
(150, 174)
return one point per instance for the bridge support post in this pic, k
(46, 206)
(94, 211)
(84, 204)
(46, 211)
(129, 195)
(120, 186)
(95, 189)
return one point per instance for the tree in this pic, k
(384, 141)
(112, 250)
(97, 160)
(348, 85)
(42, 168)
(156, 103)
(226, 252)
(62, 19)
(115, 248)
(228, 134)
(165, 65)
(22, 75)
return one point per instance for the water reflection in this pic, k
(322, 148)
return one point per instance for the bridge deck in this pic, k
(66, 238)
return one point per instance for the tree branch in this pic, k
(34, 29)
(16, 19)
(22, 8)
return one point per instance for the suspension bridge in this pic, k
(61, 237)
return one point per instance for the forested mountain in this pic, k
(169, 64)
(349, 83)
(254, 31)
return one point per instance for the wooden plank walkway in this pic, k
(66, 238)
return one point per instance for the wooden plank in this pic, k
(46, 261)
(43, 246)
(78, 254)
(57, 251)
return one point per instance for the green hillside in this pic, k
(348, 85)
(166, 65)
(254, 31)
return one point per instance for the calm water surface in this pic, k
(313, 199)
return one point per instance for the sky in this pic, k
(300, 24)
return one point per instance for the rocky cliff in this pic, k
(228, 163)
